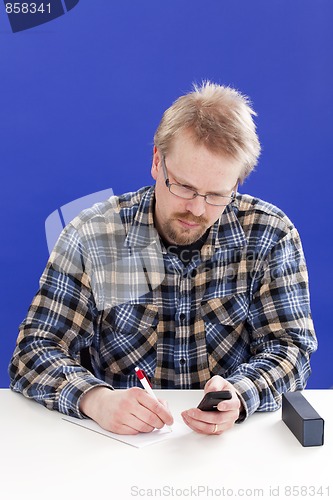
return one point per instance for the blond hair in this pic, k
(217, 116)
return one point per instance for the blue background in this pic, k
(81, 96)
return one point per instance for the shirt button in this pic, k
(182, 316)
(182, 361)
(193, 273)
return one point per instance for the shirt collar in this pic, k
(225, 233)
(142, 232)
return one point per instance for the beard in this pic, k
(175, 233)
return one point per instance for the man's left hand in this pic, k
(215, 422)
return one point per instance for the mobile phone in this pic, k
(212, 399)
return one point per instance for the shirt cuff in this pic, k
(71, 393)
(248, 395)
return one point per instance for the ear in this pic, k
(155, 163)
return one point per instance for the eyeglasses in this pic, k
(188, 193)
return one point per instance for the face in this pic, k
(181, 221)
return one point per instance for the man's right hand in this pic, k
(127, 411)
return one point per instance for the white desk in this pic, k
(44, 457)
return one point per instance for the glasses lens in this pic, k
(221, 201)
(189, 194)
(182, 191)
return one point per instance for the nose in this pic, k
(197, 206)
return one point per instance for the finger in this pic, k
(210, 417)
(135, 418)
(123, 429)
(122, 422)
(149, 412)
(131, 428)
(232, 404)
(164, 403)
(143, 421)
(148, 418)
(203, 427)
(216, 383)
(157, 408)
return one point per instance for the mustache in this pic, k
(187, 217)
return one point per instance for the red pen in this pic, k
(142, 376)
(144, 381)
(146, 384)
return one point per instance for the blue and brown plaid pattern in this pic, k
(240, 309)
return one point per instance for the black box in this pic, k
(302, 419)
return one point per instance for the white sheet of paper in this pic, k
(138, 440)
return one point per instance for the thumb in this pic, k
(216, 383)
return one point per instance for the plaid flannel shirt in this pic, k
(240, 309)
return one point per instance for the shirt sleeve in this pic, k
(60, 322)
(281, 330)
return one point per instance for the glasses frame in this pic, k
(169, 185)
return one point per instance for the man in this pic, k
(198, 286)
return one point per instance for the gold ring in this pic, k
(215, 428)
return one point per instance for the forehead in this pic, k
(192, 163)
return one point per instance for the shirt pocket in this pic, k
(129, 339)
(227, 337)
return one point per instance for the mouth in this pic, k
(188, 225)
